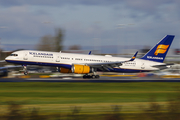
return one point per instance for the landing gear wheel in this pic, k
(93, 76)
(25, 73)
(96, 76)
(84, 76)
(90, 76)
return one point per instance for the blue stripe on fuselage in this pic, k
(121, 70)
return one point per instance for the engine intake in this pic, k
(81, 69)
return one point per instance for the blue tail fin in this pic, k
(159, 51)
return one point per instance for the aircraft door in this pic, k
(58, 58)
(25, 55)
(142, 66)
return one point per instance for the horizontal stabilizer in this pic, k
(164, 66)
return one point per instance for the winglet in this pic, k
(134, 56)
(89, 52)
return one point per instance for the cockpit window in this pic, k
(13, 55)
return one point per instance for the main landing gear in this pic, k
(25, 69)
(93, 76)
(86, 76)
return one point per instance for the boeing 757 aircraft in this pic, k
(90, 64)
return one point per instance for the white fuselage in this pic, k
(66, 60)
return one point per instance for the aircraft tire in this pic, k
(25, 73)
(84, 76)
(96, 76)
(90, 76)
(93, 76)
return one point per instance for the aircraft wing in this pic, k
(109, 65)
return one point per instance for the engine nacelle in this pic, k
(65, 70)
(81, 69)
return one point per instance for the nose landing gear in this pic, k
(25, 69)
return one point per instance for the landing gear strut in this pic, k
(25, 69)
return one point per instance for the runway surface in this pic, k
(102, 79)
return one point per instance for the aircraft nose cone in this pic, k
(7, 58)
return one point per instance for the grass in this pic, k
(45, 94)
(70, 93)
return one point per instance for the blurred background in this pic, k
(117, 28)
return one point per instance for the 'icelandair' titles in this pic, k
(35, 53)
(159, 58)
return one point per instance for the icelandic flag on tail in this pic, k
(159, 51)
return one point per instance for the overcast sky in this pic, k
(90, 22)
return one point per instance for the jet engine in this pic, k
(81, 69)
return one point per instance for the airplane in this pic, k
(90, 64)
